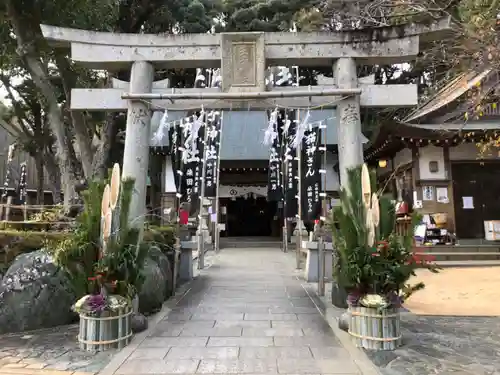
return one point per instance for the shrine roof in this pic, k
(457, 87)
(394, 136)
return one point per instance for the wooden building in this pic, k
(436, 157)
(244, 171)
(20, 157)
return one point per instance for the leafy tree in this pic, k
(83, 143)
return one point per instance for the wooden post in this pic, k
(7, 208)
(299, 198)
(201, 216)
(321, 265)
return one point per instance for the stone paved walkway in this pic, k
(444, 345)
(51, 351)
(247, 314)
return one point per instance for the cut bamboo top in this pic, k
(115, 186)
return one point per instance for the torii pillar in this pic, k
(136, 152)
(348, 110)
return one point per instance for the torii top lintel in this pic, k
(111, 51)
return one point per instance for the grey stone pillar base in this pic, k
(344, 321)
(139, 323)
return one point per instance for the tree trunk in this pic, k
(83, 139)
(40, 183)
(54, 176)
(102, 156)
(29, 37)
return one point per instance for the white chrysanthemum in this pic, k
(374, 301)
(79, 304)
(116, 302)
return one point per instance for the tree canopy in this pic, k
(78, 145)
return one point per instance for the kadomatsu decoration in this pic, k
(375, 263)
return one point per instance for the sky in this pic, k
(3, 92)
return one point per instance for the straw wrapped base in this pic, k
(109, 330)
(375, 329)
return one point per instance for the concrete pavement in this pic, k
(246, 314)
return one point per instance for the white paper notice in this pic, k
(442, 195)
(428, 193)
(468, 203)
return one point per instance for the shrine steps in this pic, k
(464, 255)
(250, 242)
(468, 263)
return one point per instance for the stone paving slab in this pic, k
(49, 350)
(246, 314)
(444, 345)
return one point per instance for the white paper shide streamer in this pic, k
(162, 130)
(301, 128)
(270, 134)
(286, 125)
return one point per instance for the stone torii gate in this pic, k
(243, 58)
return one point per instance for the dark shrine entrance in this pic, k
(250, 216)
(477, 184)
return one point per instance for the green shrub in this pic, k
(16, 242)
(162, 236)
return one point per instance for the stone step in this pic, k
(249, 244)
(462, 256)
(460, 249)
(468, 263)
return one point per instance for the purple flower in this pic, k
(395, 299)
(96, 303)
(353, 298)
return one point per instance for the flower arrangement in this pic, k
(104, 256)
(97, 304)
(375, 263)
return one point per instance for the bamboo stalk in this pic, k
(107, 331)
(114, 202)
(386, 332)
(120, 327)
(373, 329)
(7, 208)
(100, 332)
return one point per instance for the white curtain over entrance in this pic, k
(169, 176)
(228, 191)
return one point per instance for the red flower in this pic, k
(92, 278)
(420, 258)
